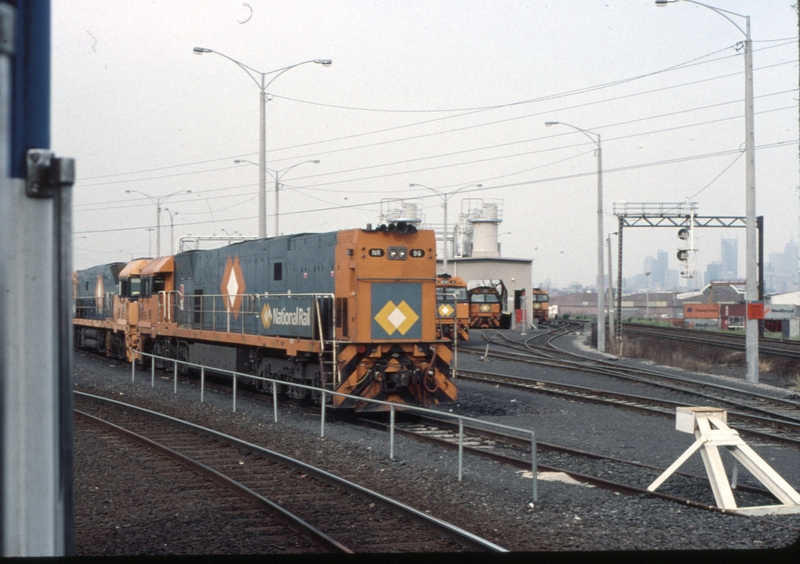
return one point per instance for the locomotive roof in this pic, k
(162, 264)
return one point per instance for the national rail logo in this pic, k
(281, 316)
(400, 317)
(233, 286)
(446, 310)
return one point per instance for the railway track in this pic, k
(344, 517)
(773, 347)
(752, 413)
(588, 468)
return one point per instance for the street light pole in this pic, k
(157, 202)
(277, 187)
(171, 229)
(149, 241)
(610, 292)
(647, 296)
(600, 282)
(445, 196)
(751, 253)
(262, 141)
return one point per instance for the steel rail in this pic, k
(614, 369)
(708, 338)
(465, 538)
(634, 402)
(297, 524)
(625, 489)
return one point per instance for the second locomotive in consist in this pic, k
(452, 307)
(349, 311)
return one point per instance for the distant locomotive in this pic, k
(541, 304)
(487, 299)
(452, 307)
(350, 311)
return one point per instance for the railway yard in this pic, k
(597, 453)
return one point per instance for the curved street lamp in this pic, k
(601, 306)
(262, 86)
(277, 187)
(445, 196)
(158, 202)
(751, 253)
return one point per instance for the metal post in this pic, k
(601, 306)
(202, 382)
(460, 446)
(158, 230)
(152, 370)
(175, 377)
(619, 285)
(600, 281)
(277, 204)
(133, 367)
(391, 432)
(322, 417)
(445, 252)
(534, 468)
(274, 402)
(751, 289)
(262, 162)
(36, 409)
(611, 331)
(234, 392)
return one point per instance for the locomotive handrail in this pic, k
(392, 406)
(166, 304)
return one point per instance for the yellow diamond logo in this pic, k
(396, 317)
(446, 310)
(485, 307)
(266, 316)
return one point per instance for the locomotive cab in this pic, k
(452, 307)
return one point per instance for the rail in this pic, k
(392, 407)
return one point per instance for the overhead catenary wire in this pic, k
(678, 160)
(319, 186)
(83, 182)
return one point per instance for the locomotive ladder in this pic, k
(328, 355)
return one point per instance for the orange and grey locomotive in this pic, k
(349, 311)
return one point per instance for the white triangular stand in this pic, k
(709, 425)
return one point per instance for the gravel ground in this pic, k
(492, 500)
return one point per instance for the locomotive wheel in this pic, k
(263, 372)
(182, 353)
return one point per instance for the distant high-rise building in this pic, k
(781, 272)
(729, 259)
(657, 267)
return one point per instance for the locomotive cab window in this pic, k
(136, 288)
(459, 293)
(158, 284)
(144, 291)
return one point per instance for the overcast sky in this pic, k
(445, 93)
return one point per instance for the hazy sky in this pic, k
(442, 93)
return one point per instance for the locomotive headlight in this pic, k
(397, 253)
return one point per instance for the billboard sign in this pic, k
(779, 311)
(701, 311)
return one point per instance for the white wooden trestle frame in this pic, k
(709, 425)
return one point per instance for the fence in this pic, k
(392, 407)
